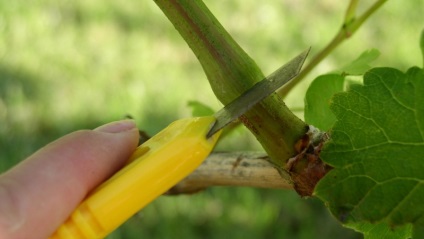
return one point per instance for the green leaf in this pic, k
(317, 100)
(381, 230)
(360, 65)
(199, 109)
(377, 150)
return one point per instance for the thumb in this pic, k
(38, 194)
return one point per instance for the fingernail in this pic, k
(117, 126)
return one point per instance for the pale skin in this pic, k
(38, 194)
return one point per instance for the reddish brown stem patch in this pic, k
(306, 168)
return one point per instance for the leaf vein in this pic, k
(405, 199)
(396, 99)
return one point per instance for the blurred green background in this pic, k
(69, 65)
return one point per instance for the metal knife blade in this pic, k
(257, 93)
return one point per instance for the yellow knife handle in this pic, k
(156, 166)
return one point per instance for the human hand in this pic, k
(38, 194)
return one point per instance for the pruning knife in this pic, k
(163, 161)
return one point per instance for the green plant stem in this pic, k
(349, 27)
(230, 72)
(422, 45)
(351, 11)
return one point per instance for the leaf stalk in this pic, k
(350, 25)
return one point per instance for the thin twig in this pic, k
(250, 169)
(349, 27)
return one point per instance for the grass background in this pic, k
(68, 65)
